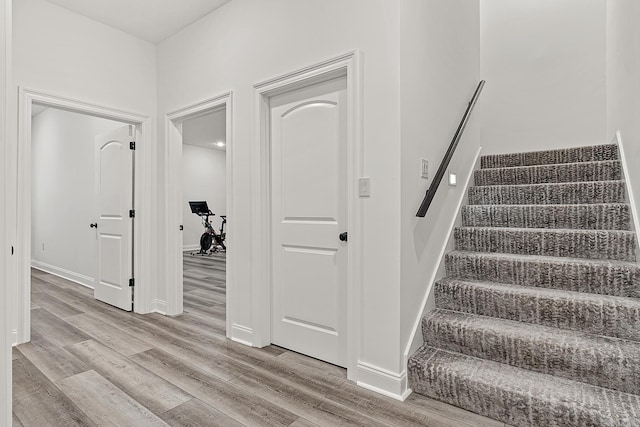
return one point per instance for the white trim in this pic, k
(159, 306)
(69, 275)
(7, 172)
(241, 334)
(145, 231)
(173, 201)
(348, 64)
(630, 192)
(415, 339)
(14, 337)
(383, 381)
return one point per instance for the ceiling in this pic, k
(151, 20)
(206, 131)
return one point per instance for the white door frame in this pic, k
(144, 232)
(349, 66)
(173, 201)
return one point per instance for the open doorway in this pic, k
(121, 170)
(204, 216)
(81, 192)
(199, 154)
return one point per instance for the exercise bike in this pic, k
(210, 236)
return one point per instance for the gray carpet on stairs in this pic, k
(538, 318)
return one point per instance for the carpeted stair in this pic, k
(537, 322)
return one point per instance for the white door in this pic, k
(309, 298)
(114, 199)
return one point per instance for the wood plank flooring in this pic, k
(90, 364)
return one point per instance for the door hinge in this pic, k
(132, 282)
(132, 145)
(132, 213)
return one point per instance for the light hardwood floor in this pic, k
(91, 364)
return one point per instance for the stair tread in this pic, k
(559, 184)
(547, 258)
(558, 156)
(551, 165)
(553, 206)
(546, 292)
(547, 230)
(518, 396)
(542, 334)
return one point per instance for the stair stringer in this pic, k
(428, 301)
(635, 218)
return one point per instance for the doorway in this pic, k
(82, 190)
(347, 68)
(199, 153)
(309, 220)
(138, 126)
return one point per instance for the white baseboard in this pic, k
(242, 334)
(14, 337)
(382, 381)
(159, 306)
(71, 276)
(188, 248)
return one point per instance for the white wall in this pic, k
(63, 192)
(59, 51)
(623, 83)
(65, 54)
(248, 41)
(544, 62)
(440, 60)
(204, 177)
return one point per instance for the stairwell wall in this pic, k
(623, 84)
(544, 61)
(440, 69)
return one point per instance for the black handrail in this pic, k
(431, 192)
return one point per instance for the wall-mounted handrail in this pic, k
(431, 192)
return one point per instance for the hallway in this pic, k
(91, 364)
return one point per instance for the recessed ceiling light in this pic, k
(220, 144)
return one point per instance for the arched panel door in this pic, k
(309, 212)
(114, 199)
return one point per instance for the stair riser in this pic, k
(569, 155)
(549, 194)
(440, 379)
(612, 245)
(586, 217)
(616, 280)
(598, 366)
(597, 317)
(574, 172)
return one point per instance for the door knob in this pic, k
(343, 237)
(94, 225)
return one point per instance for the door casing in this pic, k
(346, 66)
(144, 237)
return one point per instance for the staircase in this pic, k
(537, 322)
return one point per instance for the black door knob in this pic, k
(94, 225)
(343, 237)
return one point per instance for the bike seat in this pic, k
(223, 216)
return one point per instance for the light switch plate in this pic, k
(364, 187)
(453, 179)
(424, 168)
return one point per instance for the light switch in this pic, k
(364, 187)
(424, 168)
(453, 179)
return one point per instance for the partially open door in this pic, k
(114, 204)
